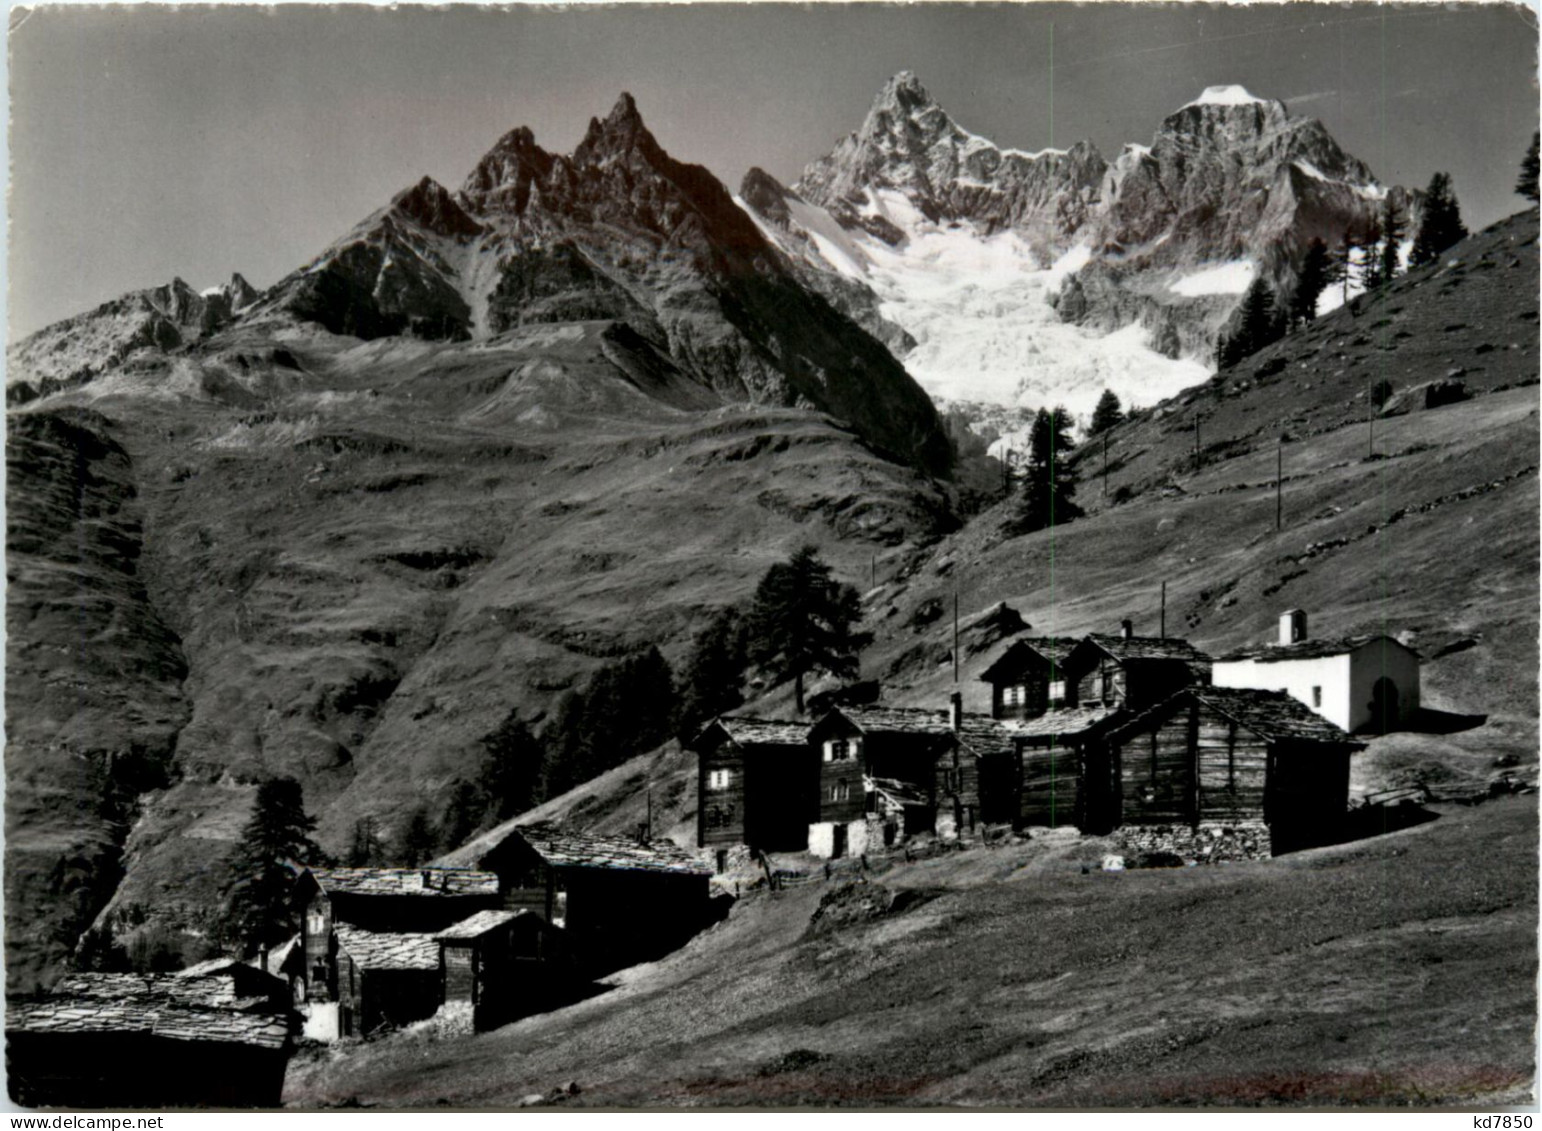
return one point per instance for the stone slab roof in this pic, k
(1071, 722)
(1310, 649)
(394, 950)
(980, 733)
(1124, 648)
(1054, 649)
(479, 924)
(200, 1008)
(1273, 715)
(764, 732)
(405, 881)
(564, 848)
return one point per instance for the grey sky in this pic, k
(148, 143)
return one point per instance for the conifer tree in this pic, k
(1393, 227)
(464, 812)
(418, 841)
(512, 763)
(365, 849)
(803, 620)
(1314, 278)
(1048, 483)
(1106, 414)
(712, 680)
(1441, 224)
(274, 839)
(1258, 324)
(1527, 184)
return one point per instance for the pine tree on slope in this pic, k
(274, 838)
(1393, 227)
(1527, 184)
(713, 677)
(1314, 277)
(1441, 225)
(804, 620)
(1048, 483)
(1107, 413)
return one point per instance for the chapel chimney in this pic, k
(1292, 626)
(956, 711)
(1126, 629)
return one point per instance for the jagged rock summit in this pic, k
(1149, 254)
(617, 231)
(910, 145)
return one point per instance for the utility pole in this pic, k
(1279, 474)
(955, 636)
(1105, 465)
(1162, 624)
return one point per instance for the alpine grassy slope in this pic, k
(1394, 970)
(493, 440)
(484, 445)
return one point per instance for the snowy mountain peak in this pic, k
(1232, 95)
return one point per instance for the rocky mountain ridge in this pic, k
(1161, 242)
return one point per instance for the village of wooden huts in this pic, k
(1100, 733)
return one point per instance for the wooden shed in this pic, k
(757, 784)
(1026, 680)
(503, 965)
(385, 979)
(1134, 672)
(1061, 769)
(620, 901)
(1232, 756)
(385, 901)
(150, 1041)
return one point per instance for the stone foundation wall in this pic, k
(1208, 844)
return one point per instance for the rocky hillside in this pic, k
(482, 446)
(1146, 257)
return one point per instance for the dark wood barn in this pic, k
(1229, 756)
(1131, 671)
(860, 746)
(973, 777)
(385, 979)
(757, 783)
(621, 902)
(1026, 680)
(1061, 769)
(504, 965)
(385, 901)
(151, 1041)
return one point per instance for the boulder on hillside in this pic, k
(993, 625)
(1430, 394)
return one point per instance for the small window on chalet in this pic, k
(722, 860)
(1317, 696)
(840, 791)
(718, 779)
(1014, 696)
(1057, 690)
(838, 750)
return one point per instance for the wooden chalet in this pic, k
(1026, 680)
(329, 977)
(1060, 769)
(1211, 755)
(620, 901)
(1134, 672)
(216, 1035)
(892, 772)
(756, 783)
(503, 965)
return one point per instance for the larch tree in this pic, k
(1527, 184)
(803, 620)
(1314, 277)
(712, 680)
(1107, 413)
(1441, 225)
(275, 839)
(1048, 482)
(1394, 226)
